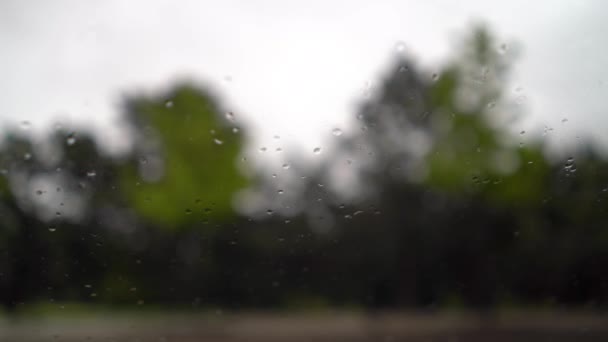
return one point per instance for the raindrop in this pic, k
(435, 76)
(269, 212)
(286, 166)
(262, 149)
(25, 125)
(188, 211)
(278, 149)
(280, 192)
(274, 175)
(287, 221)
(52, 229)
(316, 150)
(336, 132)
(91, 173)
(564, 120)
(235, 129)
(491, 104)
(400, 46)
(143, 160)
(27, 156)
(403, 68)
(503, 48)
(39, 192)
(71, 139)
(169, 104)
(230, 116)
(522, 132)
(217, 141)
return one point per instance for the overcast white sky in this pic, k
(287, 68)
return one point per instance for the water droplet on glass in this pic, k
(435, 76)
(278, 149)
(502, 48)
(316, 150)
(564, 120)
(188, 211)
(71, 139)
(399, 46)
(269, 212)
(522, 132)
(286, 166)
(27, 156)
(25, 125)
(230, 116)
(39, 192)
(491, 105)
(91, 173)
(235, 129)
(52, 229)
(218, 141)
(262, 149)
(336, 132)
(274, 175)
(169, 104)
(280, 192)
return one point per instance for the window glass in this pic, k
(236, 171)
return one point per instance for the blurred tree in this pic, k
(186, 167)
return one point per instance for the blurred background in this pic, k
(185, 171)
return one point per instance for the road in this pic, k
(307, 327)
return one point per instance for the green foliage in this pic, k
(189, 155)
